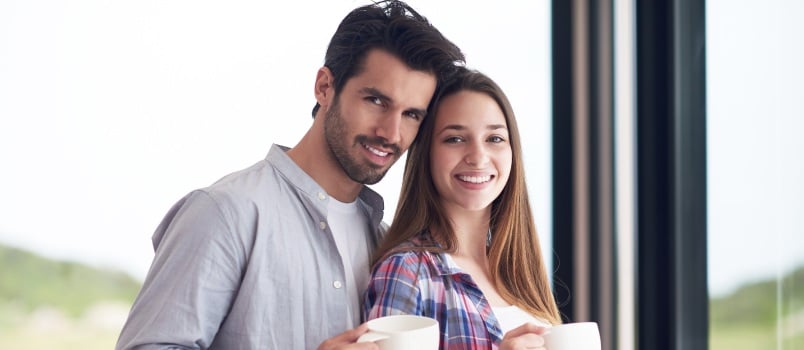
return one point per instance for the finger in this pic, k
(528, 341)
(358, 346)
(540, 330)
(525, 329)
(351, 335)
(345, 338)
(362, 328)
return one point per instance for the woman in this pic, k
(462, 247)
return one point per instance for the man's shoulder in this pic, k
(253, 187)
(246, 181)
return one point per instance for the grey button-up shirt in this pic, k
(247, 263)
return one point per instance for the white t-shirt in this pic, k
(349, 229)
(512, 316)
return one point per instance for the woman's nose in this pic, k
(477, 156)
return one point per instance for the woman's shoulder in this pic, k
(407, 254)
(421, 241)
(411, 254)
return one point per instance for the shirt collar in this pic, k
(294, 174)
(443, 262)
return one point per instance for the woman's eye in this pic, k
(496, 139)
(453, 139)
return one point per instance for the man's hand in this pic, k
(346, 340)
(526, 336)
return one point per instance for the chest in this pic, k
(480, 275)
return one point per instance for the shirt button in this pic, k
(337, 284)
(322, 225)
(322, 196)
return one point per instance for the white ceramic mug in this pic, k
(573, 336)
(403, 332)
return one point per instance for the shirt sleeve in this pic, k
(193, 279)
(394, 287)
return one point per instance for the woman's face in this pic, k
(470, 153)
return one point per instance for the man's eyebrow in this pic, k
(379, 94)
(376, 93)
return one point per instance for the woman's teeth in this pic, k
(475, 179)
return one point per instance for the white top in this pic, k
(512, 316)
(349, 229)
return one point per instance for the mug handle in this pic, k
(371, 337)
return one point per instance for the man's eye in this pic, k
(414, 115)
(374, 100)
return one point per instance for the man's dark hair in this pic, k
(395, 27)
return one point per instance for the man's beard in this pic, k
(336, 132)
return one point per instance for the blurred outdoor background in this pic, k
(111, 111)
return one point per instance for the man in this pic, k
(276, 256)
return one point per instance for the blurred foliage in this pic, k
(74, 339)
(28, 282)
(47, 304)
(763, 315)
(756, 303)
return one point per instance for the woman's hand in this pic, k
(527, 336)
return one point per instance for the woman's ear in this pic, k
(324, 87)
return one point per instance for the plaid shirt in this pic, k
(430, 284)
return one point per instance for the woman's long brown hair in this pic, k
(515, 259)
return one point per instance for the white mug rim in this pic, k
(417, 322)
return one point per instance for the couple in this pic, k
(278, 255)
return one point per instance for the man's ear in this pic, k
(324, 87)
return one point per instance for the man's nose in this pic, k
(388, 128)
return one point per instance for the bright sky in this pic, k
(755, 151)
(111, 111)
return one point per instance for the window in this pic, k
(111, 111)
(756, 170)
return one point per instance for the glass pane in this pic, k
(755, 174)
(112, 110)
